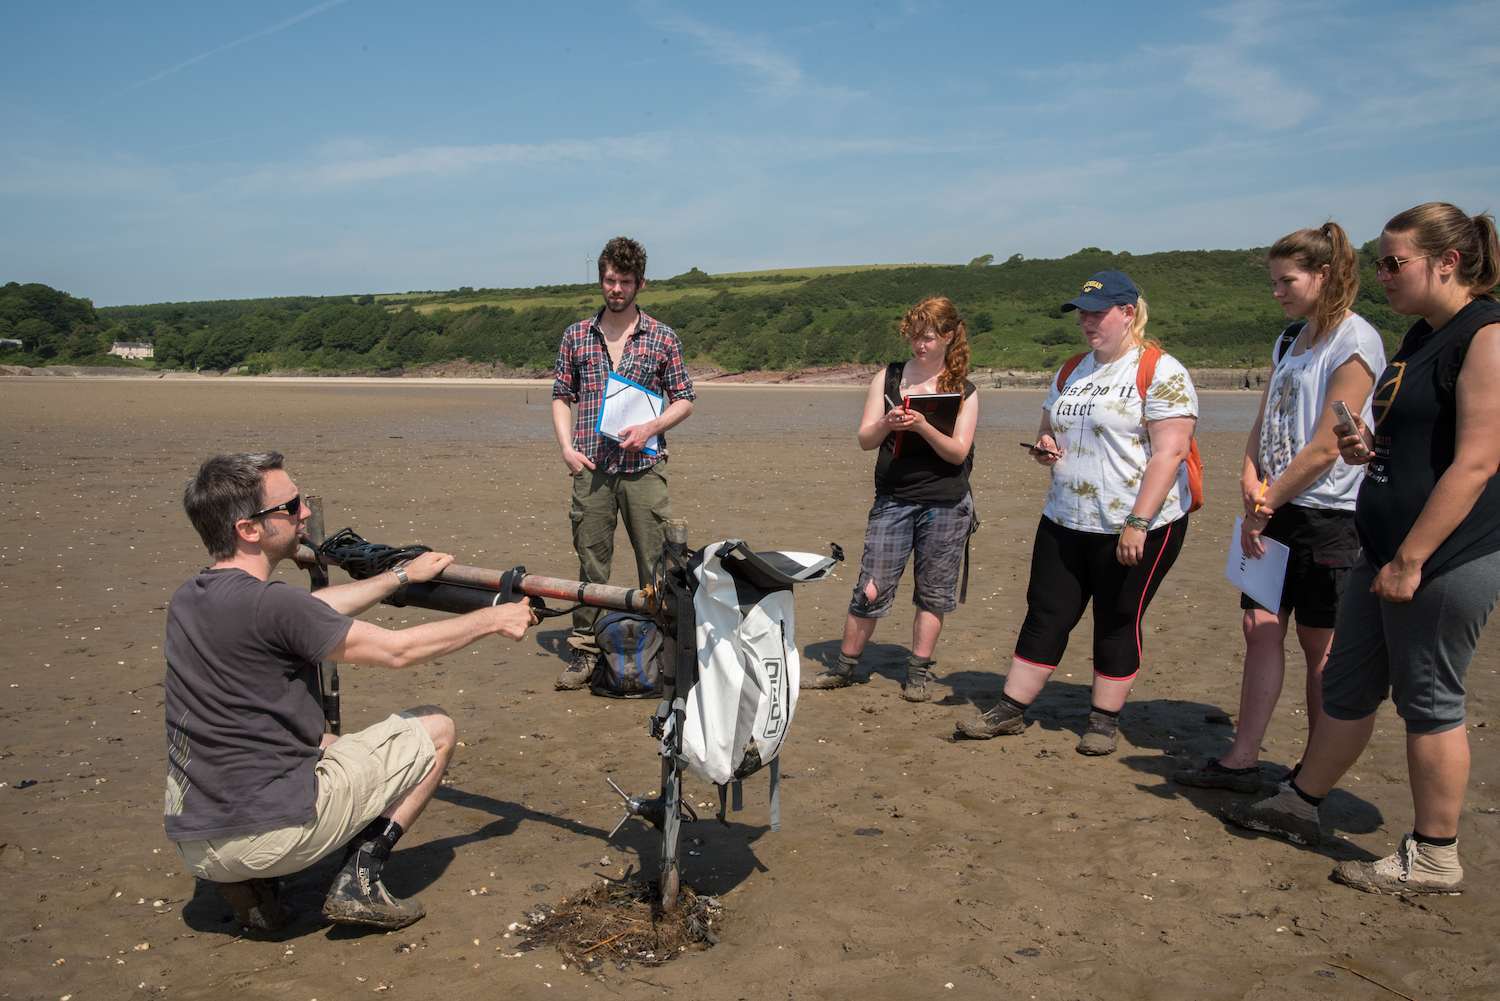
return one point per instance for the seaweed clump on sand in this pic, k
(621, 922)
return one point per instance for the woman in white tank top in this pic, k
(1296, 490)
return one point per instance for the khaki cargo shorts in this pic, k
(358, 777)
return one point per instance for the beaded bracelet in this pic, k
(1136, 521)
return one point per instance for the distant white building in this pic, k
(132, 349)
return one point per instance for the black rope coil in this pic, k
(361, 559)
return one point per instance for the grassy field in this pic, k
(654, 296)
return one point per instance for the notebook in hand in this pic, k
(940, 409)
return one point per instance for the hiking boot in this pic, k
(358, 897)
(839, 674)
(918, 684)
(256, 903)
(1000, 719)
(578, 673)
(1285, 815)
(1214, 774)
(1414, 868)
(1099, 736)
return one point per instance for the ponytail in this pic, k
(955, 362)
(1312, 250)
(1487, 271)
(1138, 322)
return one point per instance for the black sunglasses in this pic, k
(292, 507)
(1392, 265)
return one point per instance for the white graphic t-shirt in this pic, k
(1296, 400)
(1100, 426)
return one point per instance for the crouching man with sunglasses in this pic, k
(255, 789)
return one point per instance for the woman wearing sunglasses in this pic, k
(1295, 487)
(1428, 519)
(1115, 435)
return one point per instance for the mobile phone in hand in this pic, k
(1341, 411)
(1039, 450)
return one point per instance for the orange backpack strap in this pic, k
(1145, 372)
(1067, 369)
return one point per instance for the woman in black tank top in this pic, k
(1428, 517)
(922, 503)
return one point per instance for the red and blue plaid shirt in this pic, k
(652, 356)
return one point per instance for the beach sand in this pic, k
(907, 866)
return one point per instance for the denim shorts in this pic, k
(897, 530)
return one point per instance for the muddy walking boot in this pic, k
(918, 684)
(256, 903)
(578, 673)
(1416, 867)
(357, 896)
(839, 675)
(1100, 734)
(1290, 814)
(1005, 717)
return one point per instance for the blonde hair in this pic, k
(1138, 323)
(937, 313)
(1314, 249)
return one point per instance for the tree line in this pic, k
(1209, 308)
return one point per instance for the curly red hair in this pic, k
(938, 314)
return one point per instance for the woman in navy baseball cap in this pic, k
(1116, 432)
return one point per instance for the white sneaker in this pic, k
(1414, 868)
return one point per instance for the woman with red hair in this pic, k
(922, 500)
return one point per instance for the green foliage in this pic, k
(1209, 308)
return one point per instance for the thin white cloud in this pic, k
(775, 73)
(354, 168)
(1235, 73)
(312, 11)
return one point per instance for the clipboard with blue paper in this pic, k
(627, 404)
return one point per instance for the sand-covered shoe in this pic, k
(1413, 868)
(1001, 719)
(1213, 774)
(578, 673)
(839, 674)
(918, 684)
(359, 897)
(1285, 815)
(256, 903)
(1099, 736)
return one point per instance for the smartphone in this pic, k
(1039, 450)
(1346, 419)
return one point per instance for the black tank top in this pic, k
(919, 475)
(1416, 424)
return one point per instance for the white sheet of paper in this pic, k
(1260, 579)
(627, 404)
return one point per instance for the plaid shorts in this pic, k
(897, 529)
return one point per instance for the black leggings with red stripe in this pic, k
(1071, 568)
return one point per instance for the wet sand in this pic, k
(906, 862)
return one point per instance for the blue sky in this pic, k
(167, 151)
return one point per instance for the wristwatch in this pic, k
(400, 571)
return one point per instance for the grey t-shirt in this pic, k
(243, 714)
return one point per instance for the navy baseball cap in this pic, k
(1103, 290)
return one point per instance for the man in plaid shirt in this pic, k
(612, 477)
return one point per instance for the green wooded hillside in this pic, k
(1210, 308)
